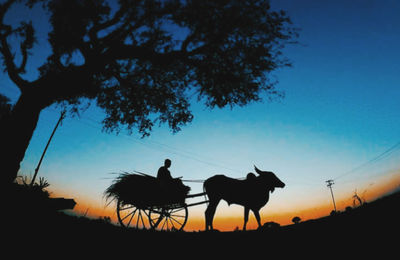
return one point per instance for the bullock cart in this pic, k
(143, 202)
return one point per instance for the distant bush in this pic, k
(23, 188)
(334, 213)
(105, 219)
(271, 226)
(296, 220)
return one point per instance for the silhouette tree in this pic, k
(296, 220)
(141, 61)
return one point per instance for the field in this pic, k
(371, 227)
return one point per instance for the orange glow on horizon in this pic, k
(90, 208)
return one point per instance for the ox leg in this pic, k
(246, 217)
(209, 214)
(258, 218)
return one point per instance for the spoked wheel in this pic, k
(132, 216)
(168, 219)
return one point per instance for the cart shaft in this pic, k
(197, 203)
(195, 195)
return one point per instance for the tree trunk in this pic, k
(17, 131)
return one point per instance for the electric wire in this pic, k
(376, 159)
(154, 145)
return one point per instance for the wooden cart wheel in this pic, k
(168, 219)
(132, 216)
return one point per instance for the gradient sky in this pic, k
(341, 110)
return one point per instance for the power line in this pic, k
(195, 157)
(377, 158)
(150, 144)
(169, 149)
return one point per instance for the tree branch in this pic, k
(5, 30)
(125, 51)
(101, 26)
(12, 70)
(24, 50)
(4, 8)
(187, 41)
(27, 31)
(68, 84)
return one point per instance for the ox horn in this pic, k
(258, 170)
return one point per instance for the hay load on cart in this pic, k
(145, 191)
(145, 202)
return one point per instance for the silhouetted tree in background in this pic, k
(296, 220)
(140, 61)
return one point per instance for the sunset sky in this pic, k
(339, 119)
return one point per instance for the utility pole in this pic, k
(47, 145)
(329, 183)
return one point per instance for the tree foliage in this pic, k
(296, 220)
(142, 61)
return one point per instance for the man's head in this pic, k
(167, 163)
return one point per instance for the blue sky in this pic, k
(341, 109)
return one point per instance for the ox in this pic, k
(252, 193)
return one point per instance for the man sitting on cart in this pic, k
(172, 186)
(163, 174)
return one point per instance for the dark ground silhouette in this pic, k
(373, 227)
